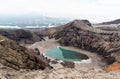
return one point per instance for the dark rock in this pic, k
(37, 51)
(116, 56)
(81, 34)
(17, 57)
(117, 21)
(22, 36)
(54, 61)
(68, 64)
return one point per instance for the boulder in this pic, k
(54, 61)
(68, 64)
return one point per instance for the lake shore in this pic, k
(92, 70)
(73, 37)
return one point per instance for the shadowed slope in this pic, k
(82, 35)
(22, 36)
(18, 57)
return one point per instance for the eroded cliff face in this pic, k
(22, 36)
(81, 34)
(18, 57)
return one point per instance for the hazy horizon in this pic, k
(93, 10)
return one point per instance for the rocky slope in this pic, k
(67, 73)
(81, 34)
(117, 21)
(18, 57)
(22, 36)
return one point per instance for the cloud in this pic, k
(94, 10)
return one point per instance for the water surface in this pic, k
(64, 54)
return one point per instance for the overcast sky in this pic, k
(93, 10)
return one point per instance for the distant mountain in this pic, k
(117, 21)
(30, 20)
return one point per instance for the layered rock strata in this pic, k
(80, 33)
(22, 36)
(17, 57)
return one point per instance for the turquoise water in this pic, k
(64, 54)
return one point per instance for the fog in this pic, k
(93, 10)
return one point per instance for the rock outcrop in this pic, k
(113, 67)
(68, 64)
(18, 57)
(22, 36)
(80, 33)
(116, 65)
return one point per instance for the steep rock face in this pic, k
(18, 57)
(80, 34)
(23, 36)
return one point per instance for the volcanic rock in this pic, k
(22, 36)
(117, 21)
(17, 57)
(54, 61)
(68, 64)
(112, 67)
(49, 31)
(81, 34)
